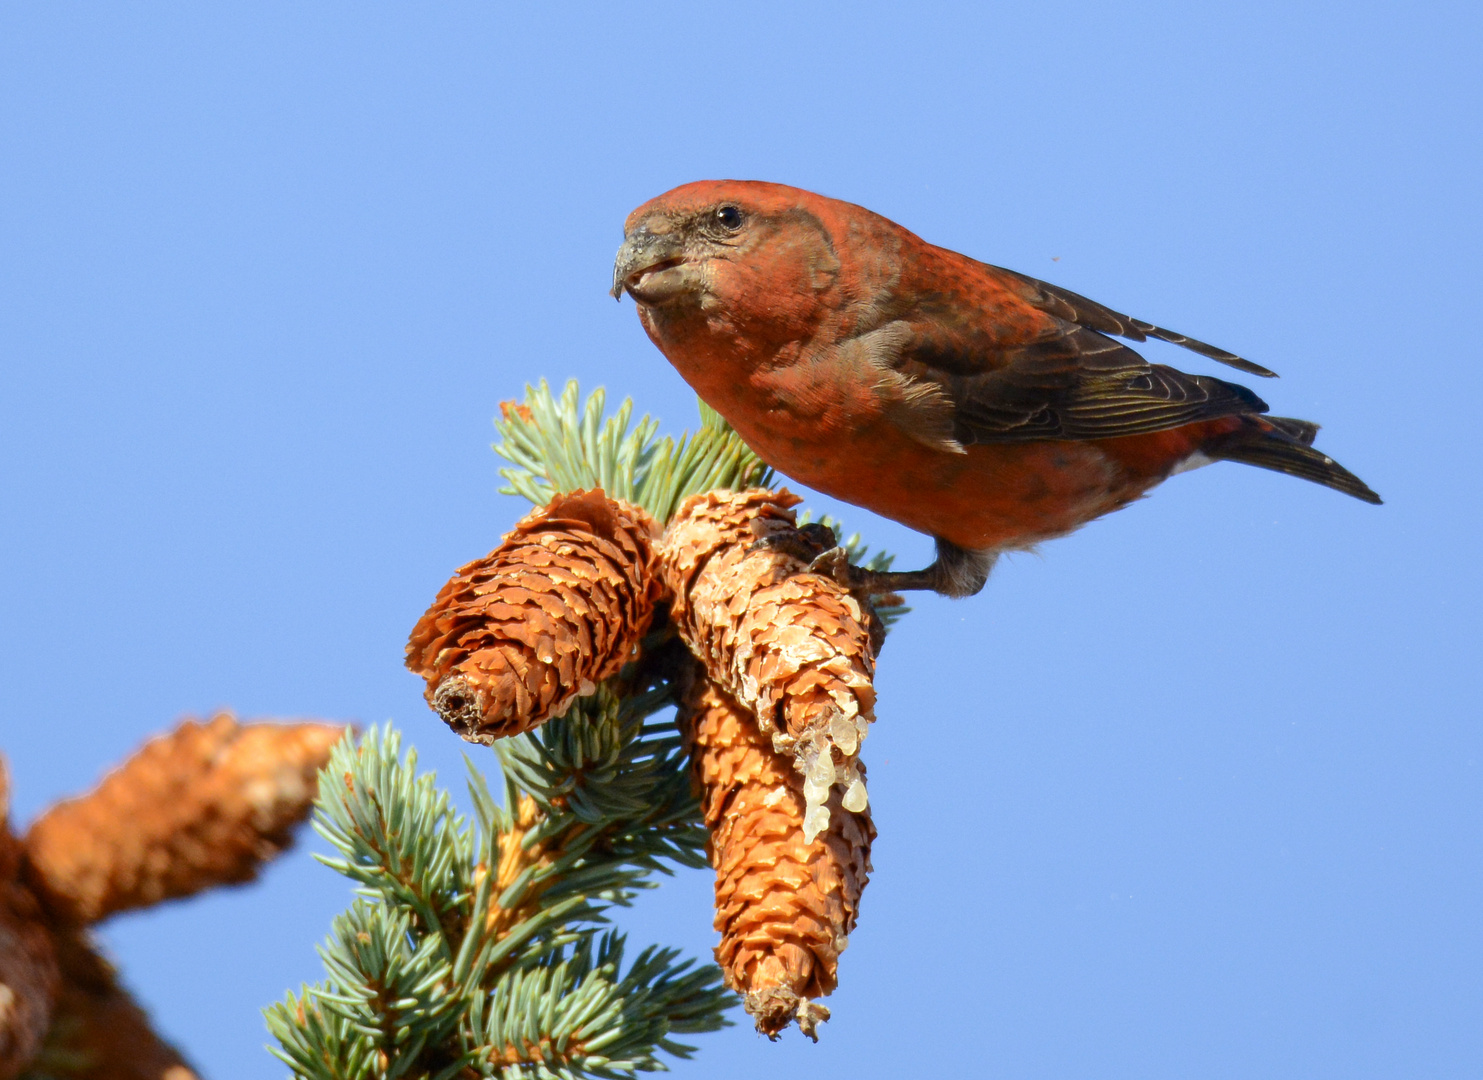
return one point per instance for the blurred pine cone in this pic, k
(99, 1032)
(205, 805)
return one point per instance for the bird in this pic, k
(988, 409)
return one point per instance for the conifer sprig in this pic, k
(563, 444)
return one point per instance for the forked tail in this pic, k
(1286, 446)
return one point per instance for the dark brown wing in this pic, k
(1071, 383)
(1074, 308)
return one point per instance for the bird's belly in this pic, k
(993, 497)
(828, 430)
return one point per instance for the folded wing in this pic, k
(1069, 383)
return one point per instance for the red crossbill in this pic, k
(982, 407)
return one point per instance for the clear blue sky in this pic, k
(1194, 793)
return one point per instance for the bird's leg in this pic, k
(955, 572)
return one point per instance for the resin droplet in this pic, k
(844, 733)
(855, 798)
(815, 822)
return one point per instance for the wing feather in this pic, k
(1075, 308)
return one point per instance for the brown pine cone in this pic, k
(560, 605)
(28, 961)
(205, 805)
(793, 647)
(785, 905)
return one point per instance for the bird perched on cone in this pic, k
(982, 407)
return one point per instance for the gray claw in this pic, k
(834, 564)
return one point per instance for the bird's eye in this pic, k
(729, 217)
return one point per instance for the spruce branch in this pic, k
(397, 832)
(478, 947)
(575, 1015)
(483, 947)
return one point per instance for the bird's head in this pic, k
(727, 249)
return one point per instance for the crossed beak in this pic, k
(643, 264)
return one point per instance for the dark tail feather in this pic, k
(1285, 446)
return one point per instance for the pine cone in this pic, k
(28, 961)
(785, 905)
(205, 805)
(561, 604)
(792, 647)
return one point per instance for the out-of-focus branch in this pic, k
(205, 805)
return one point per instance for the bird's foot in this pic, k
(806, 543)
(881, 585)
(955, 572)
(816, 545)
